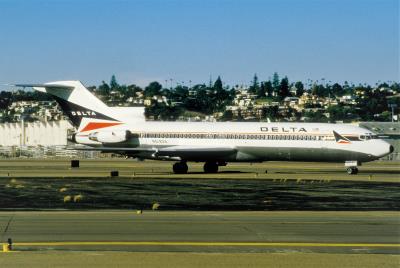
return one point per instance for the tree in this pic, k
(299, 88)
(275, 83)
(319, 90)
(384, 85)
(395, 87)
(104, 89)
(131, 90)
(315, 90)
(92, 89)
(268, 88)
(113, 83)
(255, 86)
(271, 113)
(152, 89)
(337, 90)
(385, 116)
(370, 103)
(220, 98)
(261, 91)
(284, 88)
(218, 84)
(216, 99)
(5, 99)
(227, 116)
(317, 116)
(180, 93)
(163, 111)
(203, 102)
(341, 113)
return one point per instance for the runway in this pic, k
(379, 171)
(217, 232)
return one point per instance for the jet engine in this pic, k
(115, 136)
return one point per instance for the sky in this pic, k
(193, 41)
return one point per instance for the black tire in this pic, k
(180, 168)
(352, 170)
(210, 167)
(355, 170)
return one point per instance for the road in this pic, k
(222, 232)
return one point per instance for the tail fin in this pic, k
(79, 104)
(340, 139)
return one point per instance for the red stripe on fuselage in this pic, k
(97, 125)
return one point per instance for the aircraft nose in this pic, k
(384, 148)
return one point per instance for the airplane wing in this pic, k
(193, 152)
(184, 152)
(112, 149)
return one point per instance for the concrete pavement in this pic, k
(324, 232)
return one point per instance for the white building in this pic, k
(34, 134)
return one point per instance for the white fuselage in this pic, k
(251, 141)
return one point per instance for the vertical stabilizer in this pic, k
(85, 111)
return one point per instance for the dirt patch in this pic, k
(207, 194)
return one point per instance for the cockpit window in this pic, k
(368, 136)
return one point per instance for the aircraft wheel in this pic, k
(180, 168)
(210, 167)
(352, 170)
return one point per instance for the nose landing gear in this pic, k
(352, 170)
(351, 167)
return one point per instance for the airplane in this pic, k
(124, 131)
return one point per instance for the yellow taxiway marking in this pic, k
(206, 244)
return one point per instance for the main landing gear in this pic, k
(351, 167)
(210, 167)
(180, 167)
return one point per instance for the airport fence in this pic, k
(41, 152)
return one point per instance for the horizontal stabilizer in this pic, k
(55, 86)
